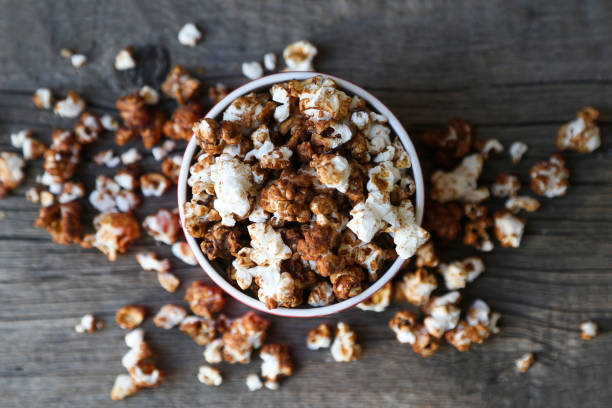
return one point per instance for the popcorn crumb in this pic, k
(270, 61)
(189, 35)
(581, 134)
(130, 316)
(508, 228)
(588, 330)
(149, 261)
(124, 59)
(183, 252)
(319, 337)
(66, 53)
(109, 122)
(524, 362)
(88, 324)
(43, 98)
(209, 376)
(71, 107)
(168, 281)
(169, 316)
(517, 150)
(299, 55)
(252, 70)
(149, 95)
(486, 146)
(345, 347)
(78, 60)
(123, 387)
(213, 352)
(253, 382)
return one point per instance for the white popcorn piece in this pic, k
(212, 353)
(345, 347)
(319, 337)
(459, 273)
(517, 150)
(32, 195)
(123, 387)
(443, 314)
(479, 315)
(588, 330)
(130, 156)
(88, 324)
(134, 338)
(209, 376)
(232, 183)
(169, 316)
(189, 35)
(334, 171)
(162, 226)
(379, 301)
(299, 55)
(71, 192)
(124, 60)
(523, 363)
(460, 184)
(258, 214)
(416, 287)
(11, 170)
(135, 355)
(78, 60)
(149, 95)
(46, 199)
(149, 261)
(43, 98)
(19, 138)
(270, 61)
(505, 185)
(252, 70)
(253, 382)
(159, 153)
(183, 252)
(515, 204)
(582, 134)
(71, 107)
(109, 122)
(508, 228)
(322, 294)
(550, 177)
(107, 158)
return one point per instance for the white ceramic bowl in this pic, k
(307, 311)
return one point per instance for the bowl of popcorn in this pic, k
(301, 194)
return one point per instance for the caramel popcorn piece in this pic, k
(149, 261)
(133, 110)
(426, 256)
(286, 200)
(404, 324)
(171, 168)
(209, 376)
(345, 347)
(88, 324)
(476, 234)
(220, 242)
(549, 178)
(299, 55)
(189, 35)
(460, 184)
(181, 123)
(169, 316)
(515, 204)
(581, 134)
(332, 170)
(127, 177)
(163, 226)
(114, 233)
(443, 314)
(201, 330)
(508, 228)
(11, 171)
(217, 92)
(183, 252)
(506, 185)
(124, 135)
(416, 287)
(517, 150)
(443, 220)
(486, 146)
(322, 294)
(379, 301)
(276, 363)
(213, 354)
(123, 387)
(88, 128)
(130, 316)
(179, 85)
(168, 281)
(459, 273)
(147, 375)
(319, 337)
(43, 98)
(31, 147)
(245, 334)
(450, 144)
(33, 195)
(523, 363)
(197, 220)
(462, 336)
(588, 330)
(71, 107)
(204, 299)
(62, 221)
(124, 59)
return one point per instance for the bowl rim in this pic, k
(237, 293)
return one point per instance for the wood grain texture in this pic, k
(517, 70)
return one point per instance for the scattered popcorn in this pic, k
(517, 150)
(443, 314)
(62, 222)
(107, 158)
(47, 199)
(124, 59)
(203, 299)
(515, 204)
(163, 226)
(549, 178)
(508, 228)
(168, 281)
(486, 146)
(459, 273)
(319, 337)
(189, 35)
(32, 195)
(71, 192)
(506, 185)
(299, 55)
(276, 363)
(245, 334)
(183, 252)
(345, 347)
(460, 184)
(78, 60)
(149, 261)
(130, 316)
(171, 167)
(270, 61)
(159, 152)
(588, 330)
(417, 287)
(134, 338)
(71, 107)
(88, 324)
(130, 156)
(180, 85)
(149, 95)
(43, 98)
(30, 146)
(169, 316)
(581, 134)
(137, 353)
(407, 330)
(217, 92)
(253, 382)
(146, 375)
(209, 376)
(252, 70)
(114, 233)
(127, 177)
(524, 362)
(123, 387)
(213, 352)
(450, 144)
(154, 184)
(109, 123)
(379, 301)
(201, 330)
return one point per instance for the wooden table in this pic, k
(514, 69)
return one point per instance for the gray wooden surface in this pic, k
(516, 70)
